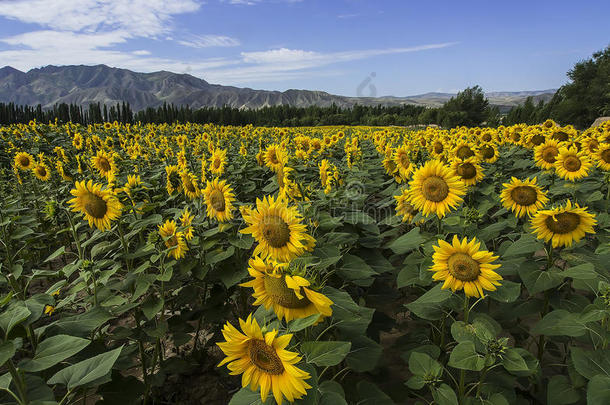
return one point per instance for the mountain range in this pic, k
(84, 85)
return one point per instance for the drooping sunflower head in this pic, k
(404, 208)
(563, 225)
(571, 164)
(523, 197)
(42, 172)
(403, 163)
(263, 360)
(99, 206)
(545, 154)
(219, 197)
(603, 156)
(190, 184)
(173, 182)
(24, 161)
(173, 239)
(462, 266)
(289, 293)
(275, 157)
(435, 189)
(186, 221)
(277, 228)
(468, 170)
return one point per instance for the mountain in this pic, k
(92, 84)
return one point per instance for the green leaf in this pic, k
(82, 324)
(539, 280)
(430, 305)
(332, 398)
(13, 316)
(151, 306)
(7, 350)
(219, 255)
(560, 323)
(325, 353)
(407, 242)
(509, 291)
(462, 332)
(598, 390)
(444, 395)
(301, 323)
(512, 361)
(5, 381)
(590, 363)
(421, 364)
(370, 394)
(364, 355)
(356, 270)
(354, 319)
(585, 271)
(465, 357)
(86, 371)
(246, 397)
(560, 391)
(525, 246)
(52, 351)
(55, 254)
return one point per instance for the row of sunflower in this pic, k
(321, 265)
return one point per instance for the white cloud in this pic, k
(207, 41)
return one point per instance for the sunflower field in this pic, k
(191, 264)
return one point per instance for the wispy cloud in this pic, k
(208, 41)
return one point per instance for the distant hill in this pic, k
(92, 84)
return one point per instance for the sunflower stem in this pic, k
(463, 372)
(75, 235)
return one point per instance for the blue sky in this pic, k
(399, 47)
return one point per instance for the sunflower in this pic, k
(403, 162)
(390, 167)
(523, 197)
(63, 172)
(468, 170)
(463, 266)
(275, 157)
(218, 160)
(545, 154)
(463, 150)
(173, 180)
(77, 141)
(263, 360)
(563, 225)
(487, 152)
(404, 208)
(99, 206)
(24, 161)
(591, 144)
(277, 228)
(186, 221)
(219, 197)
(189, 184)
(41, 171)
(105, 165)
(571, 164)
(434, 189)
(437, 148)
(603, 157)
(290, 296)
(174, 239)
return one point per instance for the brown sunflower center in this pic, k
(217, 163)
(572, 163)
(104, 164)
(189, 186)
(174, 179)
(593, 145)
(217, 200)
(466, 171)
(279, 292)
(605, 156)
(42, 172)
(435, 189)
(486, 137)
(95, 205)
(537, 139)
(438, 147)
(276, 231)
(273, 158)
(464, 152)
(524, 195)
(463, 267)
(404, 160)
(265, 357)
(24, 161)
(549, 154)
(561, 136)
(564, 222)
(487, 152)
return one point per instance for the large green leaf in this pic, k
(421, 364)
(590, 363)
(407, 242)
(444, 395)
(356, 270)
(370, 394)
(431, 304)
(82, 324)
(560, 391)
(560, 323)
(512, 361)
(364, 354)
(325, 353)
(13, 316)
(598, 390)
(465, 357)
(86, 371)
(525, 246)
(53, 350)
(7, 350)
